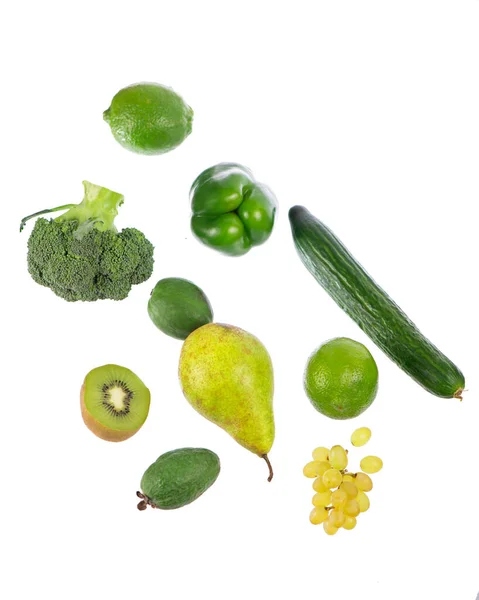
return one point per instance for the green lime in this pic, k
(341, 378)
(149, 118)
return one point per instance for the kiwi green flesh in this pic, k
(116, 398)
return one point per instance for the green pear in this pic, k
(227, 376)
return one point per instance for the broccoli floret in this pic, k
(144, 267)
(81, 256)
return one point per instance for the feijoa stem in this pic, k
(145, 502)
(265, 456)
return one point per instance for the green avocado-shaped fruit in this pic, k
(178, 478)
(341, 378)
(149, 118)
(227, 376)
(178, 307)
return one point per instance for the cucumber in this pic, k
(178, 307)
(348, 284)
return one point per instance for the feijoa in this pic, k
(178, 307)
(178, 477)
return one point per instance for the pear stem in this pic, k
(265, 456)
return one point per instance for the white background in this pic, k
(367, 113)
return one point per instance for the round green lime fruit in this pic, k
(341, 378)
(149, 118)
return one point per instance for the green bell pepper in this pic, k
(231, 211)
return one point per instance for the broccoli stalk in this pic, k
(98, 208)
(80, 255)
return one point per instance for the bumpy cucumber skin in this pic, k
(350, 286)
(179, 477)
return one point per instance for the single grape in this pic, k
(338, 458)
(322, 498)
(337, 518)
(351, 508)
(349, 488)
(318, 485)
(321, 454)
(310, 470)
(363, 501)
(349, 522)
(361, 436)
(371, 464)
(314, 469)
(323, 467)
(339, 498)
(364, 483)
(318, 515)
(348, 477)
(329, 528)
(332, 478)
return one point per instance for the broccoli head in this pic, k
(81, 256)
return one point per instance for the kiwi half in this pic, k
(114, 402)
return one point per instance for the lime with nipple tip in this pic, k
(149, 118)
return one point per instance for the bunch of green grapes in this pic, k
(341, 496)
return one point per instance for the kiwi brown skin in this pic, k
(105, 433)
